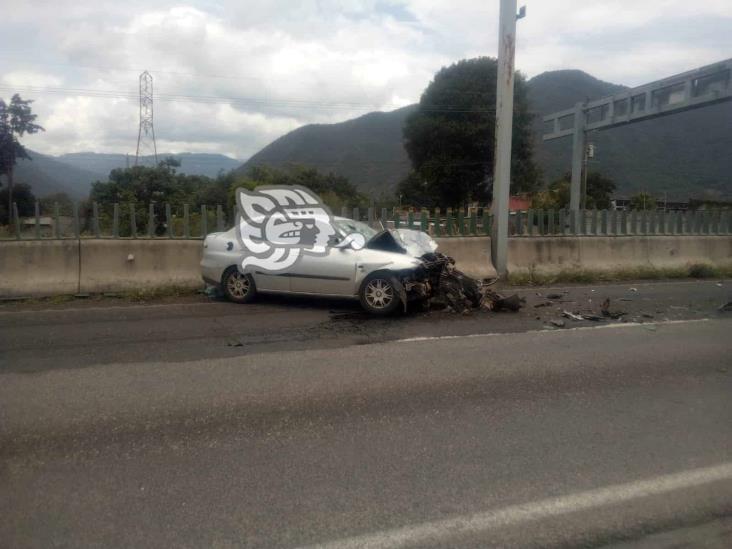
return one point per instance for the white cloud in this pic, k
(30, 78)
(293, 63)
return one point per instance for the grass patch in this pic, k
(532, 277)
(701, 270)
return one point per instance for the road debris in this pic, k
(605, 310)
(511, 303)
(593, 318)
(726, 308)
(461, 293)
(571, 316)
(543, 304)
(557, 323)
(633, 289)
(554, 296)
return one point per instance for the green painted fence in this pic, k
(133, 220)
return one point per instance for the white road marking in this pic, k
(517, 514)
(626, 284)
(614, 325)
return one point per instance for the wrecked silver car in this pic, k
(394, 266)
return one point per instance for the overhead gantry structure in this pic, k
(689, 90)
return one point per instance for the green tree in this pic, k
(335, 190)
(143, 186)
(600, 190)
(450, 138)
(556, 196)
(642, 201)
(64, 201)
(24, 199)
(16, 120)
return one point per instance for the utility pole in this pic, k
(504, 130)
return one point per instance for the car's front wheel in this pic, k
(379, 294)
(238, 287)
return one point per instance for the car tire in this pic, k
(238, 287)
(379, 294)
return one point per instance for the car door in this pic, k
(267, 282)
(331, 274)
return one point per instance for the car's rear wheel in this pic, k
(379, 294)
(238, 287)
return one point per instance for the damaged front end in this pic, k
(436, 279)
(423, 282)
(416, 283)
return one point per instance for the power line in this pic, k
(191, 74)
(242, 101)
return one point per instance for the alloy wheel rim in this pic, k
(238, 285)
(379, 293)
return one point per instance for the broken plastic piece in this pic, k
(593, 318)
(571, 315)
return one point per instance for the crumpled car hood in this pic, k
(417, 243)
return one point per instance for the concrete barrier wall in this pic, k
(554, 254)
(33, 268)
(116, 265)
(53, 267)
(472, 254)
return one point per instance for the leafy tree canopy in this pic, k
(642, 201)
(450, 138)
(599, 193)
(64, 201)
(23, 198)
(335, 190)
(16, 120)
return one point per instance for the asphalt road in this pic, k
(41, 336)
(428, 432)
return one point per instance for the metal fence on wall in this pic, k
(181, 221)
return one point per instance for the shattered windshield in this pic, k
(417, 243)
(348, 226)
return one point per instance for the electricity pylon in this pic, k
(146, 134)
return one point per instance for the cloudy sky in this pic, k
(231, 76)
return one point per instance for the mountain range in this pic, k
(367, 150)
(73, 173)
(683, 155)
(680, 156)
